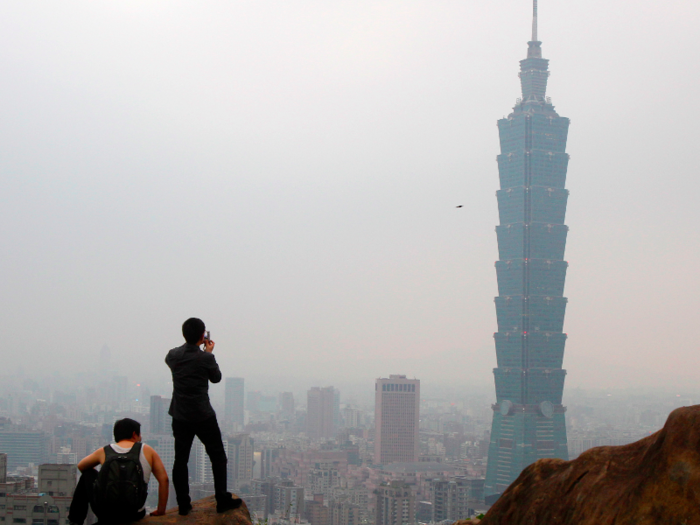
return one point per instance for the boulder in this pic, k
(203, 513)
(655, 480)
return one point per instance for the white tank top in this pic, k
(142, 457)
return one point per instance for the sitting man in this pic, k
(114, 499)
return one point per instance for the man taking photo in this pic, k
(193, 415)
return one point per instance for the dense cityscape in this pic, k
(312, 457)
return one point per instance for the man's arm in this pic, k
(158, 470)
(213, 367)
(91, 461)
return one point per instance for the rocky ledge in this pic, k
(203, 513)
(655, 480)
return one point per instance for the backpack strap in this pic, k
(135, 452)
(109, 452)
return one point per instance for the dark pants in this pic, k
(81, 500)
(209, 434)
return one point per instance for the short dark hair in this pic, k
(193, 330)
(125, 428)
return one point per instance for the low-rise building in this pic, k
(21, 503)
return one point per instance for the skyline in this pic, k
(332, 147)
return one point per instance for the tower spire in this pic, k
(534, 20)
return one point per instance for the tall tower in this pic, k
(396, 420)
(528, 417)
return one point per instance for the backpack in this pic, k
(119, 491)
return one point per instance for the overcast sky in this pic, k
(289, 172)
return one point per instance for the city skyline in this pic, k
(275, 465)
(315, 181)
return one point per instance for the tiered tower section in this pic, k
(528, 419)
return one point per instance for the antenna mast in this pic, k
(534, 20)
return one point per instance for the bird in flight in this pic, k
(460, 206)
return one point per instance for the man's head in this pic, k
(193, 330)
(126, 429)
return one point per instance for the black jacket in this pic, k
(192, 369)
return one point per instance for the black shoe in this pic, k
(228, 504)
(184, 510)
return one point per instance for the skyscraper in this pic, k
(234, 409)
(528, 418)
(320, 412)
(396, 413)
(160, 421)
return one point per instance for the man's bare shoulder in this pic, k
(150, 453)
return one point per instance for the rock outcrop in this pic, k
(655, 480)
(203, 513)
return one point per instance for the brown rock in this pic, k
(203, 513)
(655, 480)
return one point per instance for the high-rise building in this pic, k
(352, 417)
(3, 468)
(320, 412)
(455, 499)
(164, 444)
(316, 512)
(289, 500)
(395, 504)
(346, 513)
(268, 456)
(528, 417)
(266, 487)
(286, 404)
(160, 421)
(396, 413)
(240, 460)
(234, 409)
(23, 448)
(202, 473)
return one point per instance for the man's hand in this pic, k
(209, 345)
(158, 512)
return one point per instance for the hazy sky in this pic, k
(288, 171)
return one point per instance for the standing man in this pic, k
(193, 415)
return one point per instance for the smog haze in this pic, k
(290, 173)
